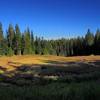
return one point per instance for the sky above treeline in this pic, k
(52, 18)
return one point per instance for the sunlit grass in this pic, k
(8, 62)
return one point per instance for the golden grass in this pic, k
(9, 62)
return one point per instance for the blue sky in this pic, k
(52, 18)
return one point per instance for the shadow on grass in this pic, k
(3, 69)
(44, 74)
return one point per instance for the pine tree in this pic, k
(38, 46)
(67, 48)
(17, 40)
(10, 51)
(5, 46)
(1, 40)
(97, 42)
(27, 38)
(32, 43)
(10, 36)
(71, 47)
(89, 39)
(51, 47)
(22, 44)
(45, 48)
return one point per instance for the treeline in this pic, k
(13, 42)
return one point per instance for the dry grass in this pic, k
(9, 62)
(42, 83)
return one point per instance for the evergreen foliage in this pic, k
(18, 43)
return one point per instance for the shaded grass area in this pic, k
(73, 72)
(52, 91)
(57, 80)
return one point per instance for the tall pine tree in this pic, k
(32, 43)
(17, 40)
(1, 40)
(97, 42)
(27, 39)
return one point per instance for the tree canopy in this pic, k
(14, 42)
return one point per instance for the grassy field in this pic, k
(8, 62)
(50, 77)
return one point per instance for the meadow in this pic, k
(35, 77)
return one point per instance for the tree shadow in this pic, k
(3, 69)
(28, 74)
